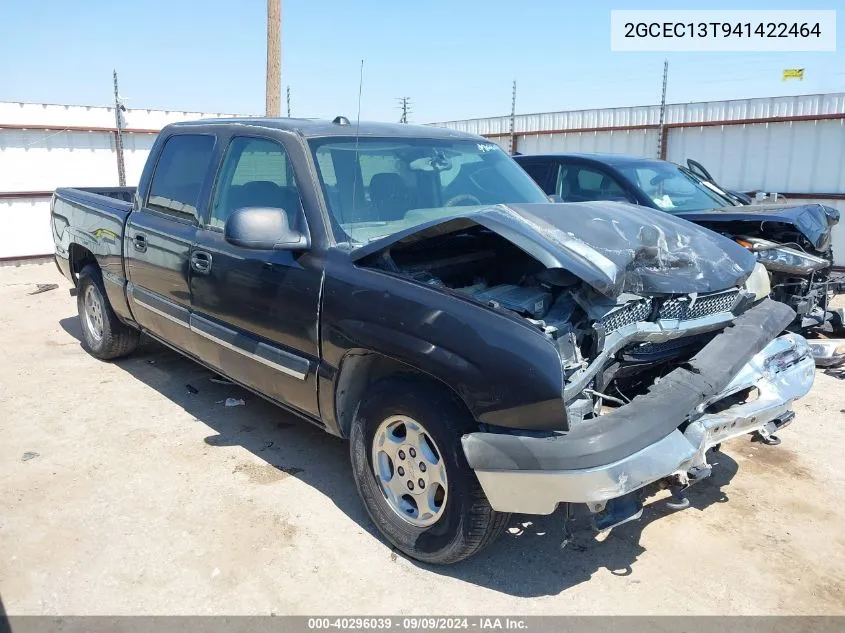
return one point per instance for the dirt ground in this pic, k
(121, 492)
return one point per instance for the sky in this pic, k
(455, 59)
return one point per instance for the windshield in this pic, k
(673, 188)
(377, 187)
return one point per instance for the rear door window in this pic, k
(179, 175)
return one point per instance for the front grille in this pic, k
(705, 305)
(633, 312)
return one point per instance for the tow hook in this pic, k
(677, 485)
(767, 433)
(626, 508)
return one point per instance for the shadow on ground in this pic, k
(530, 548)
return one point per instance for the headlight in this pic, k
(782, 258)
(758, 282)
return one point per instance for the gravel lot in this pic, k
(144, 498)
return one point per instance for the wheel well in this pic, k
(362, 368)
(80, 257)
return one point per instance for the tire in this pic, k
(104, 335)
(466, 523)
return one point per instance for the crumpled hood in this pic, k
(614, 247)
(814, 221)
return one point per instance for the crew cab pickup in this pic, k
(412, 289)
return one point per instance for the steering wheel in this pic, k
(456, 201)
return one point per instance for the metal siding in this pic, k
(23, 114)
(38, 160)
(42, 160)
(765, 107)
(803, 156)
(631, 142)
(25, 227)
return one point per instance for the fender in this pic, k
(448, 338)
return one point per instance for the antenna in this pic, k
(357, 130)
(360, 90)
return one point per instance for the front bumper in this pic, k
(781, 372)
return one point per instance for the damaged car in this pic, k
(411, 289)
(793, 241)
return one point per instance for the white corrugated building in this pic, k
(791, 145)
(44, 146)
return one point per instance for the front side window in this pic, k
(584, 184)
(256, 173)
(672, 188)
(376, 187)
(179, 175)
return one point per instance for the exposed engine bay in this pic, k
(604, 363)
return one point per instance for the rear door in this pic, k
(257, 310)
(160, 233)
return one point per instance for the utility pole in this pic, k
(274, 58)
(513, 120)
(405, 106)
(118, 134)
(287, 97)
(661, 136)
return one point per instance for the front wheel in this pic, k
(412, 475)
(105, 336)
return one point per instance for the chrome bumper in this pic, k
(782, 372)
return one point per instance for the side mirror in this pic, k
(555, 198)
(264, 228)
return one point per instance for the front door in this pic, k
(257, 310)
(159, 236)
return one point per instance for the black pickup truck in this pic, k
(792, 241)
(413, 290)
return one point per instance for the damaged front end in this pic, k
(667, 345)
(743, 381)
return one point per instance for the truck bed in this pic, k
(92, 219)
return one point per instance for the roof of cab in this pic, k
(321, 128)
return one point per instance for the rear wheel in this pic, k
(412, 475)
(105, 336)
